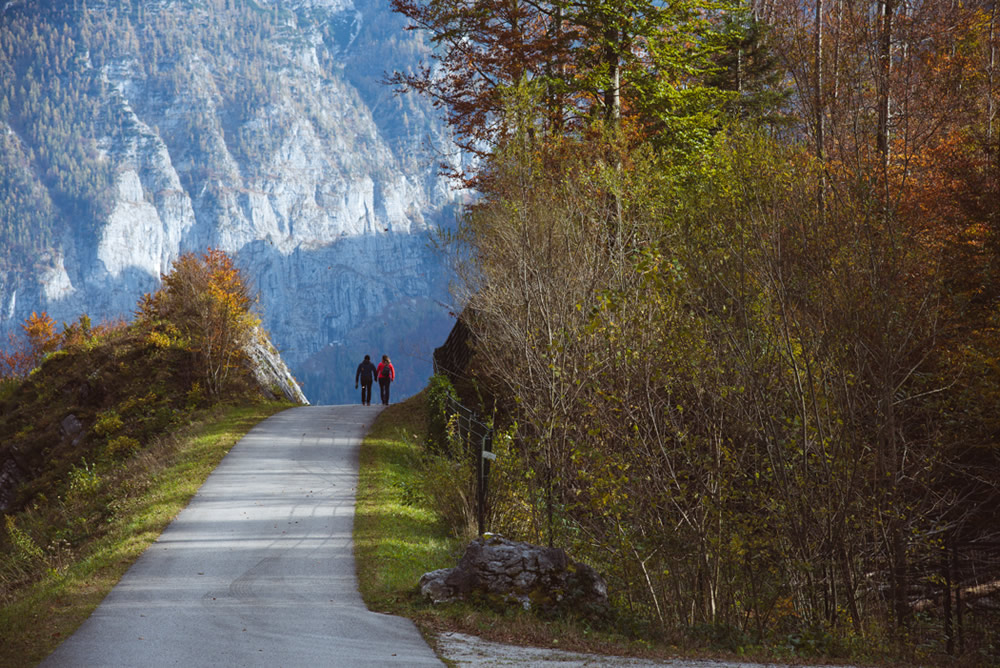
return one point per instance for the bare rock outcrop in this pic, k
(500, 571)
(270, 370)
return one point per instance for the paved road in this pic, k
(258, 570)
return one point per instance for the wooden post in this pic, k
(949, 632)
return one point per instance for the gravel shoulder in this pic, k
(469, 651)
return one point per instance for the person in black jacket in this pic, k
(366, 374)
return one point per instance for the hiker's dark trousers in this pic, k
(366, 392)
(383, 386)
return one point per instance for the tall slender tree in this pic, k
(590, 59)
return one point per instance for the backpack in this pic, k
(386, 372)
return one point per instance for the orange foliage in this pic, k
(41, 333)
(24, 354)
(206, 299)
(16, 361)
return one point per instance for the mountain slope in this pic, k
(132, 132)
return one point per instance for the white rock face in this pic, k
(133, 236)
(323, 196)
(55, 281)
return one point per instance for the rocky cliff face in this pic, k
(257, 128)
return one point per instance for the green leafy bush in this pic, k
(83, 481)
(449, 482)
(7, 387)
(108, 423)
(122, 447)
(439, 394)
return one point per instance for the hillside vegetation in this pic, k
(97, 444)
(733, 301)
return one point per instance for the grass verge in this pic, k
(148, 491)
(397, 536)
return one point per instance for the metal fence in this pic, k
(967, 591)
(450, 360)
(477, 437)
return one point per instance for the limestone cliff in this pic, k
(255, 127)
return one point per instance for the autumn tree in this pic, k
(206, 303)
(589, 60)
(896, 98)
(23, 355)
(40, 338)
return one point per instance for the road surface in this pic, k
(258, 570)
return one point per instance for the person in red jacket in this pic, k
(386, 373)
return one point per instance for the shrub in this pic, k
(8, 387)
(439, 392)
(510, 507)
(195, 396)
(108, 423)
(122, 447)
(19, 559)
(25, 548)
(83, 481)
(449, 481)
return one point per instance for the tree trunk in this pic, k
(991, 80)
(555, 102)
(819, 111)
(818, 80)
(612, 95)
(949, 633)
(887, 10)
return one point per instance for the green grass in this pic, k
(148, 492)
(397, 536)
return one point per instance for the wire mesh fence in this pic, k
(477, 438)
(962, 591)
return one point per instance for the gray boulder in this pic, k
(500, 571)
(71, 428)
